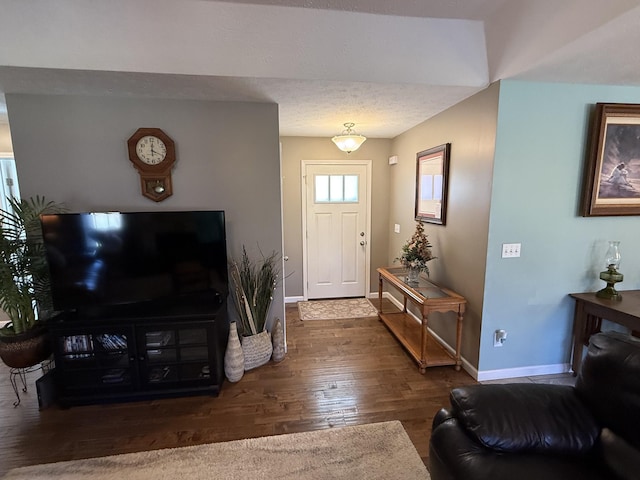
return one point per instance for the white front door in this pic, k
(336, 228)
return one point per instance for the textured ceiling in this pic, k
(385, 65)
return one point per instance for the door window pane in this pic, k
(336, 193)
(336, 188)
(322, 188)
(350, 188)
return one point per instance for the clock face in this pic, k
(151, 150)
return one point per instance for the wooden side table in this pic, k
(589, 312)
(414, 336)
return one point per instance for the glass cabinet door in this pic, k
(175, 355)
(96, 359)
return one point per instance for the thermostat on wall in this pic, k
(393, 160)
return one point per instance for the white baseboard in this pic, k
(293, 299)
(531, 371)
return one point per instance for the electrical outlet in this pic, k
(511, 250)
(499, 337)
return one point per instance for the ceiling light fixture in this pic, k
(348, 141)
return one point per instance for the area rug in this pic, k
(336, 309)
(373, 451)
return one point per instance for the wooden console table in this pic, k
(589, 312)
(414, 336)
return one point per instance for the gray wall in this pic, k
(296, 149)
(73, 149)
(461, 244)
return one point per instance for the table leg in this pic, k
(379, 294)
(592, 326)
(423, 342)
(459, 340)
(579, 320)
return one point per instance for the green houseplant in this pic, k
(253, 283)
(24, 281)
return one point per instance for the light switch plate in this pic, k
(396, 228)
(511, 250)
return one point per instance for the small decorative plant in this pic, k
(252, 292)
(417, 251)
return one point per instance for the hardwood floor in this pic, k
(336, 373)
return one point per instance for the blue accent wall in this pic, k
(541, 144)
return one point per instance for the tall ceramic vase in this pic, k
(233, 357)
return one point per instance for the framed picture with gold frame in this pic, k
(611, 184)
(432, 178)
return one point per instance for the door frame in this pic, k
(367, 262)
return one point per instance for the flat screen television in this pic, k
(102, 260)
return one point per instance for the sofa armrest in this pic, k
(521, 417)
(440, 417)
(453, 454)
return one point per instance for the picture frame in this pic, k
(432, 181)
(611, 180)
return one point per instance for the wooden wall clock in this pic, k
(153, 154)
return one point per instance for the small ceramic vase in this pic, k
(278, 342)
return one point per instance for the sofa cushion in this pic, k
(609, 383)
(525, 417)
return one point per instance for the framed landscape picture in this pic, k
(432, 176)
(612, 168)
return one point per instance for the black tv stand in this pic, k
(139, 353)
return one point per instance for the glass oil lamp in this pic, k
(612, 274)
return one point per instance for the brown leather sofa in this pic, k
(547, 432)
